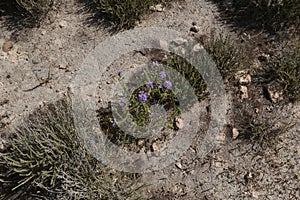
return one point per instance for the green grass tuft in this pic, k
(228, 56)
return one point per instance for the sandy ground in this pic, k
(235, 169)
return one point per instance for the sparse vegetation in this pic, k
(46, 160)
(124, 13)
(272, 15)
(284, 68)
(228, 56)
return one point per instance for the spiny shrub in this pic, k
(46, 160)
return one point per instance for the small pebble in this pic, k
(178, 164)
(155, 147)
(195, 29)
(7, 46)
(235, 133)
(62, 24)
(157, 8)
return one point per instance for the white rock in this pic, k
(235, 133)
(244, 92)
(178, 164)
(62, 66)
(157, 8)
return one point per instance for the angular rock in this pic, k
(179, 165)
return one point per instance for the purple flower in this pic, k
(150, 85)
(168, 84)
(119, 72)
(155, 63)
(142, 97)
(162, 74)
(159, 87)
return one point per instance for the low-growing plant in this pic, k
(124, 13)
(164, 88)
(284, 68)
(46, 160)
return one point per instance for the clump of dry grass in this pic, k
(46, 160)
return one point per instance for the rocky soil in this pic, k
(37, 66)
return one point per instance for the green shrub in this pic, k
(46, 160)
